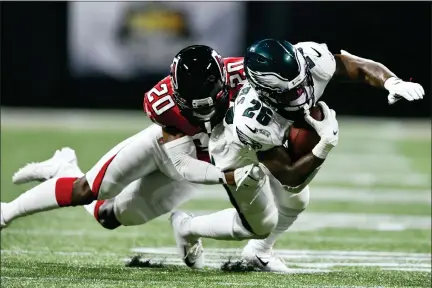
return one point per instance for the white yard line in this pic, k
(307, 221)
(307, 259)
(399, 256)
(103, 234)
(343, 194)
(402, 257)
(310, 221)
(371, 178)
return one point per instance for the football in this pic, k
(302, 138)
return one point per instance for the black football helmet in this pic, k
(280, 74)
(199, 81)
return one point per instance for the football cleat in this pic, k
(189, 248)
(263, 258)
(57, 166)
(2, 220)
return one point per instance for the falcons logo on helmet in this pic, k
(219, 61)
(173, 73)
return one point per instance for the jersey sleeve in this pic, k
(182, 153)
(321, 61)
(246, 129)
(162, 110)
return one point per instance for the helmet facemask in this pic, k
(205, 112)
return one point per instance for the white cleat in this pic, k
(2, 220)
(190, 249)
(263, 259)
(41, 171)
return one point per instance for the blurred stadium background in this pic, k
(74, 74)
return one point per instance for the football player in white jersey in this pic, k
(284, 80)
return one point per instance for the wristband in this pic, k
(321, 150)
(390, 82)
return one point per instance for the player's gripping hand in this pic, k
(248, 175)
(399, 89)
(327, 129)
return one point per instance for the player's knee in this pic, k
(301, 200)
(265, 226)
(269, 224)
(296, 201)
(106, 216)
(81, 193)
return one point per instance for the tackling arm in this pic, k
(180, 148)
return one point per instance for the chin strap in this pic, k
(208, 127)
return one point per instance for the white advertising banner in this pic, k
(128, 39)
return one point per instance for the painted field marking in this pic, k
(311, 221)
(363, 195)
(305, 261)
(307, 221)
(135, 234)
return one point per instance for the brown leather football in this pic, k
(302, 137)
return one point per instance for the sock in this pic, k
(222, 225)
(51, 194)
(74, 170)
(93, 208)
(290, 206)
(90, 208)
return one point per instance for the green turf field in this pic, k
(368, 224)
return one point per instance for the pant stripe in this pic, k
(234, 203)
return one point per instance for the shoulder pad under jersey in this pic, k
(320, 60)
(162, 110)
(235, 74)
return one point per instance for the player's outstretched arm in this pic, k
(182, 152)
(355, 68)
(350, 67)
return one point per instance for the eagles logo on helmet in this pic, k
(280, 75)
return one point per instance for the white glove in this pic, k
(248, 175)
(399, 89)
(327, 129)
